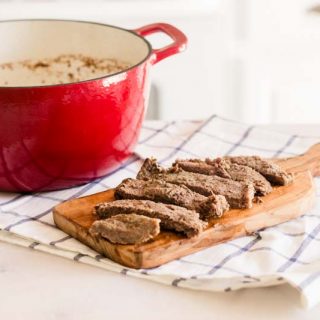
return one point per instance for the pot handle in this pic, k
(178, 45)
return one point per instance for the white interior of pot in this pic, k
(36, 40)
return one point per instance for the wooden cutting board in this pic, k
(285, 203)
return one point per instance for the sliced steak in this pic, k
(172, 217)
(226, 169)
(161, 191)
(271, 171)
(201, 166)
(238, 194)
(150, 168)
(126, 228)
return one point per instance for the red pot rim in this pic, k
(89, 80)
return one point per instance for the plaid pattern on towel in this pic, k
(285, 253)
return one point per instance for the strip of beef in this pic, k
(267, 168)
(161, 191)
(172, 217)
(203, 167)
(126, 228)
(226, 169)
(238, 194)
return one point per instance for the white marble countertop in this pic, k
(35, 285)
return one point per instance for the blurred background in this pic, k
(249, 60)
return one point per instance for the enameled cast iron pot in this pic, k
(58, 136)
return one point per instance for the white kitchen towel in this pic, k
(289, 252)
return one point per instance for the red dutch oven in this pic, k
(58, 136)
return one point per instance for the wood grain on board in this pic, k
(284, 203)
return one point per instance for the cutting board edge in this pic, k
(237, 230)
(133, 257)
(62, 222)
